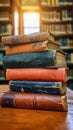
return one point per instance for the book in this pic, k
(5, 16)
(37, 74)
(5, 3)
(69, 57)
(5, 29)
(34, 101)
(2, 75)
(53, 2)
(29, 38)
(1, 58)
(38, 87)
(45, 59)
(44, 2)
(33, 47)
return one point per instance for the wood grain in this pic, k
(22, 119)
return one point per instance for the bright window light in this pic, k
(16, 23)
(31, 22)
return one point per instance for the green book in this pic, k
(44, 59)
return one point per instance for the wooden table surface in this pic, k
(21, 119)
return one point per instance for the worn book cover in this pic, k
(33, 47)
(38, 87)
(29, 38)
(34, 101)
(44, 59)
(37, 74)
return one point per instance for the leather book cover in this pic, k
(38, 87)
(34, 101)
(43, 59)
(33, 47)
(37, 74)
(29, 38)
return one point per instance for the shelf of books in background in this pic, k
(57, 16)
(6, 29)
(36, 69)
(5, 18)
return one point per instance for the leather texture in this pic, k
(38, 87)
(31, 47)
(37, 74)
(34, 101)
(20, 39)
(42, 59)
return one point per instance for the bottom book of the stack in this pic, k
(34, 101)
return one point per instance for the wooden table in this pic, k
(21, 119)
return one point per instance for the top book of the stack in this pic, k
(30, 38)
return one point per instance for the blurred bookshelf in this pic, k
(57, 16)
(7, 9)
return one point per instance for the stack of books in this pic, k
(37, 72)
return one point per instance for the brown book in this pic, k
(33, 47)
(34, 37)
(34, 101)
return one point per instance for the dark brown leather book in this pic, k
(33, 47)
(30, 38)
(34, 101)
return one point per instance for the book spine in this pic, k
(19, 39)
(34, 101)
(24, 48)
(37, 74)
(30, 60)
(38, 87)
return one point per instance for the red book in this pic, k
(37, 74)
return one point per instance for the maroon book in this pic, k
(34, 101)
